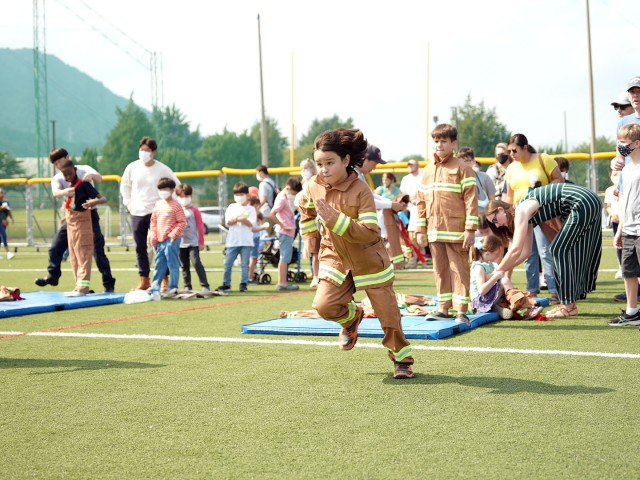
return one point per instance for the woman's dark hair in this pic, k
(506, 232)
(520, 140)
(391, 177)
(149, 142)
(343, 141)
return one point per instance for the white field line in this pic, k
(322, 344)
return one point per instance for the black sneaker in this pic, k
(462, 318)
(223, 288)
(436, 315)
(243, 287)
(43, 282)
(624, 319)
(402, 371)
(349, 336)
(110, 288)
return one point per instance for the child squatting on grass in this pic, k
(490, 290)
(352, 255)
(81, 198)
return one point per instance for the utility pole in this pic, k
(40, 90)
(592, 163)
(263, 122)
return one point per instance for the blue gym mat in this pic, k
(41, 302)
(414, 327)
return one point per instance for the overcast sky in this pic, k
(364, 60)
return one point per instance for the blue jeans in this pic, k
(167, 256)
(540, 250)
(230, 257)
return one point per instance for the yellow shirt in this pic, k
(521, 176)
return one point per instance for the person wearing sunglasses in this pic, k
(622, 105)
(530, 170)
(576, 249)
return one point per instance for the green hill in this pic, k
(83, 108)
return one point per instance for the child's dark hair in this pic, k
(149, 142)
(66, 163)
(253, 200)
(466, 152)
(294, 184)
(165, 182)
(520, 140)
(57, 153)
(240, 187)
(563, 164)
(444, 130)
(184, 189)
(490, 243)
(343, 141)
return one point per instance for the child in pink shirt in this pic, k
(282, 214)
(168, 221)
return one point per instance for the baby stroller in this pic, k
(270, 255)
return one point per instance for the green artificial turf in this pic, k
(78, 407)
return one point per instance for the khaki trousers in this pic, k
(394, 247)
(80, 238)
(452, 275)
(336, 304)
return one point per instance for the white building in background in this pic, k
(30, 166)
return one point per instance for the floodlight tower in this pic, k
(40, 89)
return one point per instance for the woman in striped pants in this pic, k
(576, 249)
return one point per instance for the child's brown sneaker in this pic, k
(402, 371)
(349, 336)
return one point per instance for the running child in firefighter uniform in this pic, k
(448, 214)
(352, 255)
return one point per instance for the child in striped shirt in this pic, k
(168, 221)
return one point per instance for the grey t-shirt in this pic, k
(190, 234)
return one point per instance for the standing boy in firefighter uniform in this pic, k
(448, 214)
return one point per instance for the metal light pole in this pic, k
(592, 163)
(263, 123)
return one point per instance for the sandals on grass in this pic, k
(562, 311)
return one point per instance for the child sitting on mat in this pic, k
(490, 290)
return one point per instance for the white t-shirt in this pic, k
(239, 234)
(58, 182)
(611, 199)
(409, 185)
(139, 186)
(630, 199)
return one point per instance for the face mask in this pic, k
(258, 177)
(475, 168)
(240, 198)
(625, 150)
(307, 174)
(565, 175)
(164, 194)
(184, 201)
(144, 156)
(502, 158)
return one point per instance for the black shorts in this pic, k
(630, 263)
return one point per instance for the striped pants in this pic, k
(577, 249)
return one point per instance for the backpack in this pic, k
(274, 191)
